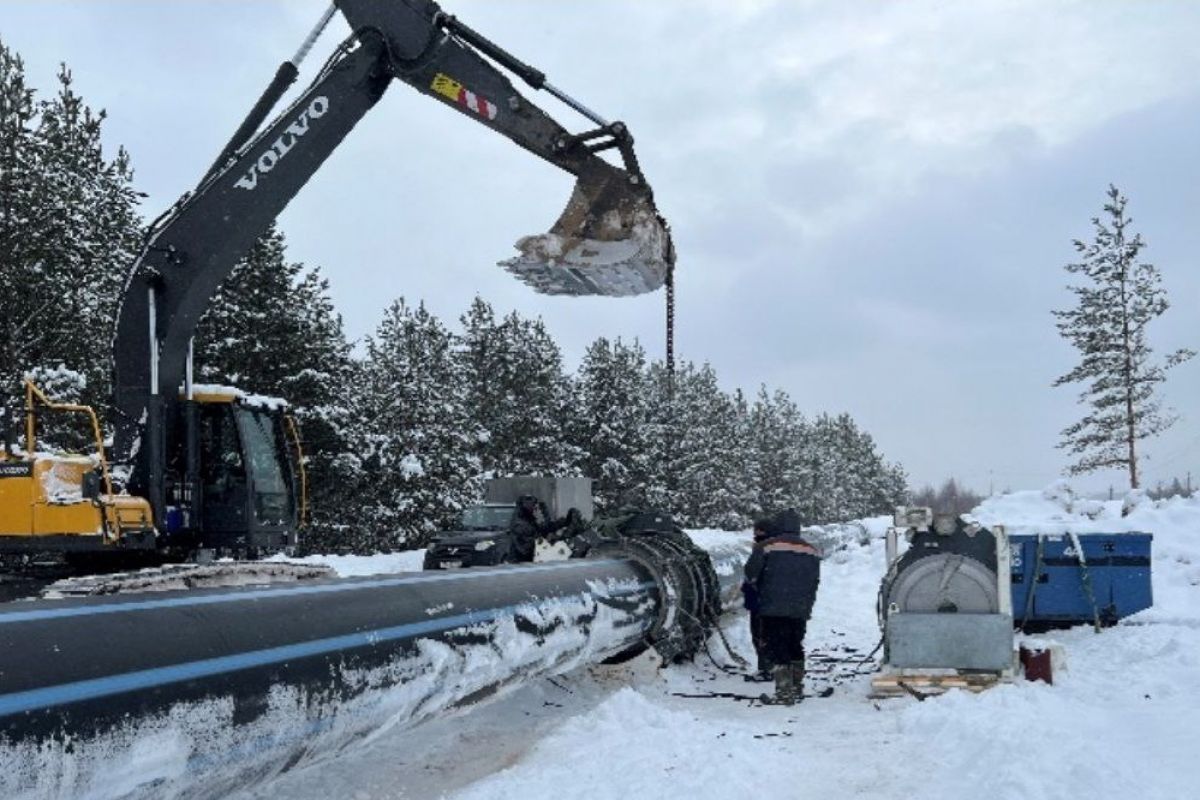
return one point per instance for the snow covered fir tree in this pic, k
(69, 228)
(610, 422)
(418, 445)
(1118, 297)
(513, 382)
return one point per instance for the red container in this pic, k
(1037, 664)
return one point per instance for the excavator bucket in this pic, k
(609, 240)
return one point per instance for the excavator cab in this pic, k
(235, 483)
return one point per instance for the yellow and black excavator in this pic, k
(203, 469)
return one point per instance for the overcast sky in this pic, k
(872, 203)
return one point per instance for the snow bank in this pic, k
(357, 566)
(726, 548)
(715, 541)
(728, 551)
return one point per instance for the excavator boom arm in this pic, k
(194, 247)
(429, 53)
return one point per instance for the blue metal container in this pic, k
(1118, 566)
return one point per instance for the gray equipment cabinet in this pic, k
(946, 604)
(559, 494)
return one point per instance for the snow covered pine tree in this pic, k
(513, 381)
(775, 436)
(68, 230)
(415, 435)
(710, 488)
(608, 422)
(1120, 296)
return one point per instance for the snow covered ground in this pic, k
(1120, 723)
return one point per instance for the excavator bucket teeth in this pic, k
(609, 240)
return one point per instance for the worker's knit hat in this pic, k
(763, 528)
(786, 521)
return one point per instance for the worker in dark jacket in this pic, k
(784, 571)
(762, 531)
(531, 521)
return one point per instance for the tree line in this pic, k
(951, 497)
(402, 435)
(402, 431)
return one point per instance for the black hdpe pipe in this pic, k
(198, 692)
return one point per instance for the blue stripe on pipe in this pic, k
(49, 696)
(349, 585)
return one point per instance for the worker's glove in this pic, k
(749, 596)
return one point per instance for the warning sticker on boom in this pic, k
(451, 89)
(446, 86)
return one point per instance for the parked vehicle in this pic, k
(483, 534)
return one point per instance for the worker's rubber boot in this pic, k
(797, 669)
(785, 686)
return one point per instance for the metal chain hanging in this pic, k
(671, 327)
(670, 454)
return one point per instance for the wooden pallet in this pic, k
(922, 685)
